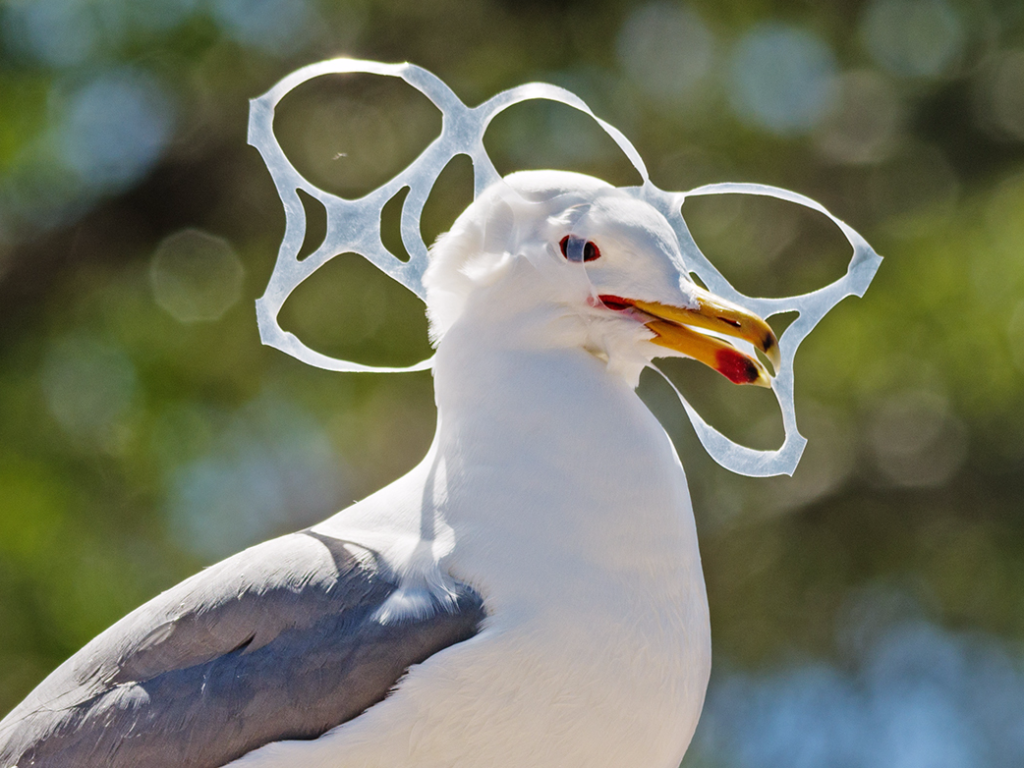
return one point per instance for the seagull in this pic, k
(529, 596)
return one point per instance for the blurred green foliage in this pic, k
(144, 432)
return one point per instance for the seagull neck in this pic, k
(552, 452)
(509, 377)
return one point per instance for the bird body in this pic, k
(596, 648)
(535, 580)
(580, 661)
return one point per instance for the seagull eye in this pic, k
(590, 250)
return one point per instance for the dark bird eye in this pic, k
(590, 251)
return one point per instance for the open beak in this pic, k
(674, 328)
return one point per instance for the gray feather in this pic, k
(277, 642)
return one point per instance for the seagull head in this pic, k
(554, 258)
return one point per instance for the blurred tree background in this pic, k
(868, 611)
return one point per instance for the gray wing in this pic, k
(277, 642)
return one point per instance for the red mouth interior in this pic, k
(615, 302)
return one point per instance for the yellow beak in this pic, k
(673, 326)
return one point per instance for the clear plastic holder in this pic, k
(354, 226)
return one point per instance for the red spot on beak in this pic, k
(736, 367)
(615, 302)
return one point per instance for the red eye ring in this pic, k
(590, 251)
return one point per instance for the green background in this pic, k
(868, 611)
